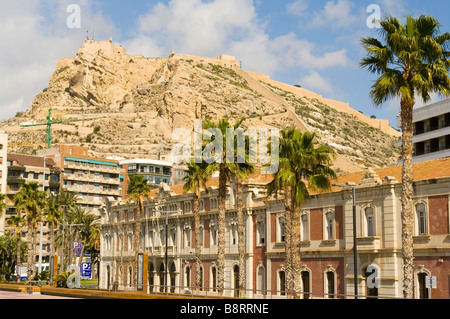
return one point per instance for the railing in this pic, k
(230, 293)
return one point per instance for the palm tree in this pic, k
(302, 166)
(240, 170)
(226, 173)
(138, 191)
(67, 200)
(53, 217)
(17, 222)
(2, 203)
(30, 200)
(412, 60)
(196, 178)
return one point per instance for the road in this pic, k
(22, 295)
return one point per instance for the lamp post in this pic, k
(42, 226)
(355, 250)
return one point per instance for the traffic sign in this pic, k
(76, 247)
(86, 270)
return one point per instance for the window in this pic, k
(214, 277)
(304, 219)
(421, 217)
(260, 231)
(370, 221)
(330, 283)
(282, 282)
(25, 174)
(35, 175)
(187, 237)
(201, 205)
(423, 292)
(306, 284)
(281, 229)
(329, 224)
(213, 234)
(233, 234)
(261, 282)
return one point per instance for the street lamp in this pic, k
(355, 251)
(42, 226)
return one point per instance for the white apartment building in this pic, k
(431, 138)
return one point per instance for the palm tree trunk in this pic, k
(241, 234)
(221, 229)
(18, 261)
(288, 238)
(295, 251)
(198, 249)
(30, 248)
(407, 215)
(137, 238)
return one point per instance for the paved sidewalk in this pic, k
(22, 295)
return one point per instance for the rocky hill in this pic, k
(131, 104)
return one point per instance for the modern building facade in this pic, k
(26, 168)
(91, 178)
(326, 233)
(155, 171)
(431, 131)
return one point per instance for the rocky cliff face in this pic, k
(131, 105)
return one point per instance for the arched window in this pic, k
(330, 282)
(187, 277)
(151, 273)
(214, 277)
(421, 290)
(282, 282)
(130, 276)
(172, 277)
(261, 280)
(236, 280)
(306, 284)
(162, 279)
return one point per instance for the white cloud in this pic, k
(297, 8)
(315, 82)
(334, 15)
(225, 27)
(34, 35)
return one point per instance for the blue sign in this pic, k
(86, 270)
(76, 247)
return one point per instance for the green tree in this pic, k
(138, 192)
(412, 60)
(195, 180)
(218, 162)
(30, 200)
(16, 222)
(53, 217)
(303, 167)
(67, 200)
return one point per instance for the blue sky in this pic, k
(311, 43)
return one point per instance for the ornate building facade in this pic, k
(326, 232)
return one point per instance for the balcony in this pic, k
(371, 243)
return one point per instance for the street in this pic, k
(21, 295)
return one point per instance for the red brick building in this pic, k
(326, 232)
